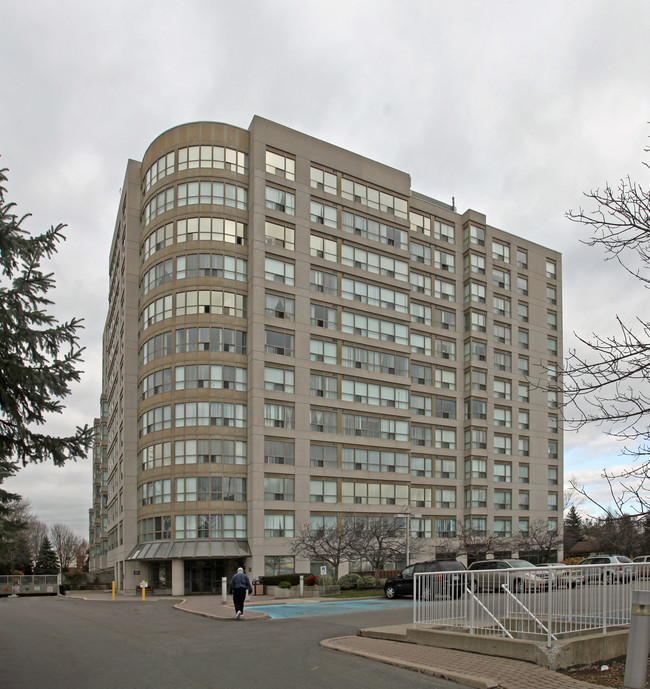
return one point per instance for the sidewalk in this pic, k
(469, 669)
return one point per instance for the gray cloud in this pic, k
(513, 109)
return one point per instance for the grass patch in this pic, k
(356, 593)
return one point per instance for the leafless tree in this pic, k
(477, 544)
(65, 544)
(382, 539)
(36, 531)
(539, 540)
(333, 544)
(608, 380)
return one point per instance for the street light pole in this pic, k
(408, 539)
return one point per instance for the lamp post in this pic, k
(408, 535)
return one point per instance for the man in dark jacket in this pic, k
(239, 584)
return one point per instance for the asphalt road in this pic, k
(51, 643)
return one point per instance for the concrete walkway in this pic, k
(470, 669)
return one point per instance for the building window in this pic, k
(524, 473)
(278, 564)
(323, 456)
(279, 235)
(445, 408)
(324, 317)
(475, 497)
(321, 281)
(323, 352)
(276, 342)
(420, 466)
(278, 416)
(475, 468)
(445, 498)
(502, 444)
(323, 386)
(522, 312)
(322, 421)
(323, 491)
(279, 489)
(474, 235)
(502, 389)
(278, 164)
(278, 525)
(277, 306)
(421, 374)
(278, 379)
(501, 306)
(500, 252)
(322, 180)
(445, 468)
(279, 452)
(502, 500)
(280, 200)
(320, 247)
(500, 278)
(522, 258)
(322, 214)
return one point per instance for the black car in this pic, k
(445, 584)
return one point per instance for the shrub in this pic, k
(275, 579)
(284, 585)
(348, 581)
(311, 581)
(367, 582)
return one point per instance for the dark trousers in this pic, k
(238, 598)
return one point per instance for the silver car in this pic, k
(517, 575)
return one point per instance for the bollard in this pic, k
(113, 589)
(224, 590)
(143, 591)
(636, 662)
(302, 585)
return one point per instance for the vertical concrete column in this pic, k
(178, 577)
(302, 585)
(636, 662)
(224, 590)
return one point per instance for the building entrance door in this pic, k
(204, 576)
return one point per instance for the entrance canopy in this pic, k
(205, 548)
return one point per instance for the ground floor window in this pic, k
(278, 564)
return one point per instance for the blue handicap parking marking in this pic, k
(289, 610)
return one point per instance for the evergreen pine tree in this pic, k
(10, 527)
(573, 530)
(38, 355)
(38, 360)
(47, 561)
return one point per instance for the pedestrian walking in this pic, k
(239, 584)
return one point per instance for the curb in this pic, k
(467, 680)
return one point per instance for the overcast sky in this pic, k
(513, 108)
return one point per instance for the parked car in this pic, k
(565, 576)
(492, 574)
(614, 572)
(642, 571)
(444, 584)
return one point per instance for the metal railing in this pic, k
(29, 584)
(544, 603)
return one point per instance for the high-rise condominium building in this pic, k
(295, 337)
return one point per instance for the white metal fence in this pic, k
(29, 585)
(540, 602)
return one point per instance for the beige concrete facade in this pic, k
(293, 334)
